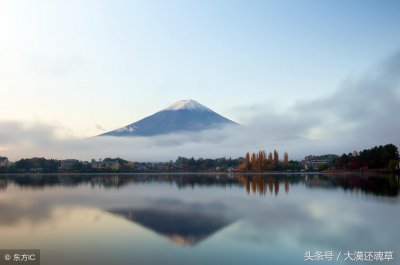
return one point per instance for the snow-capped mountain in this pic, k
(183, 115)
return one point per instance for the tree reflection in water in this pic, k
(261, 184)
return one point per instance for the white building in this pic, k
(69, 164)
(106, 164)
(4, 162)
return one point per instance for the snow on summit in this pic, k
(188, 104)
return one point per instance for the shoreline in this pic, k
(276, 173)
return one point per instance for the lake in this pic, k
(202, 219)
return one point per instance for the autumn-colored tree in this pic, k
(270, 161)
(260, 160)
(253, 161)
(247, 161)
(257, 161)
(276, 158)
(264, 159)
(286, 158)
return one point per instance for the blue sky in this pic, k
(87, 66)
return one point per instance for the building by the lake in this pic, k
(315, 162)
(109, 164)
(4, 162)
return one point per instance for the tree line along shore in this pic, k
(379, 158)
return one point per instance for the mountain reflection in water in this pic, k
(184, 228)
(219, 219)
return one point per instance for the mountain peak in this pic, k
(182, 116)
(187, 104)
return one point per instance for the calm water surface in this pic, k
(199, 219)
